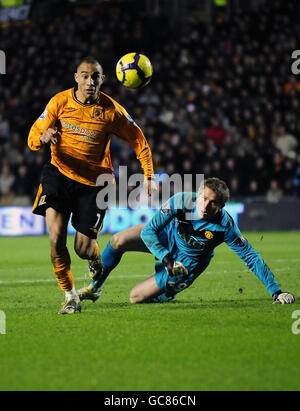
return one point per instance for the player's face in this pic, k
(207, 203)
(89, 78)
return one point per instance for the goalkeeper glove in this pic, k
(174, 267)
(283, 298)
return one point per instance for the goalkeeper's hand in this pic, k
(174, 267)
(283, 298)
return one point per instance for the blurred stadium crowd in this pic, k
(223, 100)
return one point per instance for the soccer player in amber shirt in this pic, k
(78, 124)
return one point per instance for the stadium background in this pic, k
(223, 100)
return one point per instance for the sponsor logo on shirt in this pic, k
(86, 134)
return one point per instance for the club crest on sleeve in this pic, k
(130, 119)
(43, 115)
(165, 211)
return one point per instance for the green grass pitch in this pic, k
(212, 337)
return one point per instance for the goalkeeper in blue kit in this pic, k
(183, 235)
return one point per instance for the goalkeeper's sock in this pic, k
(62, 271)
(110, 259)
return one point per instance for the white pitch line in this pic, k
(49, 280)
(84, 267)
(73, 267)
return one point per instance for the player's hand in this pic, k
(174, 267)
(50, 135)
(150, 185)
(283, 298)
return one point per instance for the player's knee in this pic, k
(134, 297)
(84, 249)
(57, 242)
(137, 297)
(81, 252)
(118, 241)
(134, 300)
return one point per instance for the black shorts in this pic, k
(69, 196)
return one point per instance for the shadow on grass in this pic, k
(118, 303)
(177, 305)
(219, 304)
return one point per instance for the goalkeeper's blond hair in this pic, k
(219, 187)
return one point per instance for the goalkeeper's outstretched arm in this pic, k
(257, 265)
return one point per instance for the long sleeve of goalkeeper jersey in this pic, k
(251, 258)
(150, 233)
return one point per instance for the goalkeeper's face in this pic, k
(207, 203)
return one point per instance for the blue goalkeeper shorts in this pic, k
(172, 285)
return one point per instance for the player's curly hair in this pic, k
(220, 188)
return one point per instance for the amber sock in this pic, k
(95, 263)
(62, 271)
(96, 253)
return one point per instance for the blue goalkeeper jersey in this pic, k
(177, 229)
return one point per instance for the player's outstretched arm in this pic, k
(253, 260)
(150, 237)
(150, 185)
(125, 127)
(257, 265)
